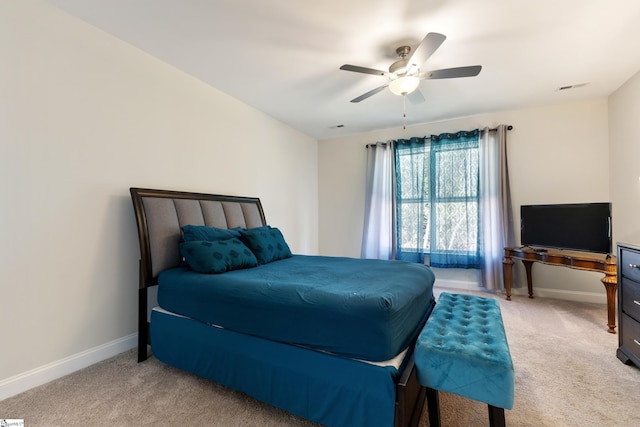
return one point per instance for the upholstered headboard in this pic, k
(160, 214)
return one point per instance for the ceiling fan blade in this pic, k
(416, 97)
(370, 93)
(426, 48)
(364, 70)
(452, 73)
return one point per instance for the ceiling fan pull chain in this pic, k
(404, 112)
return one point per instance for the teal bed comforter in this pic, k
(358, 308)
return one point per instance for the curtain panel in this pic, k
(379, 236)
(496, 213)
(412, 163)
(454, 194)
(437, 200)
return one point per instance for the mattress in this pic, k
(357, 308)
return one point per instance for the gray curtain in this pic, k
(378, 239)
(496, 216)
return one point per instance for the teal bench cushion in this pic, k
(463, 350)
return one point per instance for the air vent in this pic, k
(567, 87)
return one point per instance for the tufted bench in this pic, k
(463, 350)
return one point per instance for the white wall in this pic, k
(84, 116)
(624, 140)
(556, 154)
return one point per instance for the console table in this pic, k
(577, 260)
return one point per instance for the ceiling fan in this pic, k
(405, 74)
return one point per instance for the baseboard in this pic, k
(590, 297)
(563, 294)
(456, 284)
(49, 372)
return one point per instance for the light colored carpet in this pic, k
(567, 374)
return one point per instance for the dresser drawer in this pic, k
(629, 263)
(630, 298)
(630, 339)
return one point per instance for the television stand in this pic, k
(577, 260)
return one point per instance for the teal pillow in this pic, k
(191, 233)
(266, 243)
(217, 256)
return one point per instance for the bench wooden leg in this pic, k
(496, 416)
(433, 405)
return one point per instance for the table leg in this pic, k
(527, 267)
(611, 286)
(507, 267)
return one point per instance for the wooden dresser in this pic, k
(629, 303)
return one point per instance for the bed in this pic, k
(329, 339)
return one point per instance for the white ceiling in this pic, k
(283, 56)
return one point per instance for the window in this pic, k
(437, 199)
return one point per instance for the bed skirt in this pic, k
(320, 387)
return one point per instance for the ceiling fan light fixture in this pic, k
(404, 85)
(404, 75)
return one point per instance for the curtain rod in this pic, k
(509, 127)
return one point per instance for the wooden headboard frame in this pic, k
(160, 214)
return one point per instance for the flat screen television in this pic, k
(577, 226)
